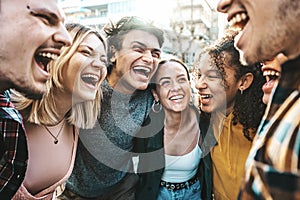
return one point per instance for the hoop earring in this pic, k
(156, 106)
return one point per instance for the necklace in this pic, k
(55, 137)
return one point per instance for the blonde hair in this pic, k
(43, 111)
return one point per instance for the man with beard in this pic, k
(267, 28)
(32, 35)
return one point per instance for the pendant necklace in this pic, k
(55, 137)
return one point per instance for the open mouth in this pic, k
(205, 96)
(90, 79)
(239, 20)
(176, 97)
(271, 74)
(142, 70)
(43, 59)
(205, 99)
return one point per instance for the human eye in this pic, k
(182, 80)
(48, 18)
(85, 51)
(213, 75)
(138, 48)
(156, 54)
(165, 83)
(103, 59)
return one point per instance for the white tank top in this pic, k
(182, 168)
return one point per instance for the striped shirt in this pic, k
(13, 148)
(272, 168)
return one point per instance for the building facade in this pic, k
(189, 25)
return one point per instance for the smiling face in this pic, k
(214, 94)
(268, 27)
(85, 70)
(173, 88)
(271, 70)
(32, 34)
(136, 62)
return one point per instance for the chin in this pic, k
(265, 99)
(142, 87)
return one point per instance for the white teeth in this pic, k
(271, 73)
(204, 96)
(147, 70)
(238, 18)
(49, 55)
(95, 77)
(176, 97)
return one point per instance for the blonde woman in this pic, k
(72, 102)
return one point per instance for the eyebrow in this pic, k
(179, 76)
(145, 46)
(86, 45)
(44, 11)
(163, 78)
(91, 49)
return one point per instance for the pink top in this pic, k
(48, 193)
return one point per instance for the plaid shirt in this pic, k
(13, 149)
(272, 168)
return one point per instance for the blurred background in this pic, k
(189, 25)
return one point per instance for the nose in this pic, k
(175, 86)
(98, 63)
(224, 5)
(101, 66)
(62, 36)
(147, 56)
(200, 83)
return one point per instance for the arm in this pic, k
(13, 161)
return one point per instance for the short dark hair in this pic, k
(115, 33)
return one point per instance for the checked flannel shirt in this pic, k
(13, 148)
(272, 168)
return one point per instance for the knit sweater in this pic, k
(104, 153)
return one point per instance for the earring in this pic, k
(241, 91)
(156, 106)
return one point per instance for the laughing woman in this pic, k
(231, 101)
(172, 164)
(72, 102)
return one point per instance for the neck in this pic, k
(118, 84)
(177, 120)
(62, 108)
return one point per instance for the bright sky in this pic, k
(159, 11)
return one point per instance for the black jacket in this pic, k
(152, 160)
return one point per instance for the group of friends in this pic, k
(103, 116)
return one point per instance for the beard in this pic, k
(29, 93)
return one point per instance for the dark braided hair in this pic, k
(249, 107)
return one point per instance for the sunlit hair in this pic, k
(115, 34)
(248, 107)
(44, 111)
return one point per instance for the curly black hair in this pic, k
(115, 34)
(249, 107)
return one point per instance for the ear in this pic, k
(154, 93)
(246, 81)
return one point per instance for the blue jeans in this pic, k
(192, 192)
